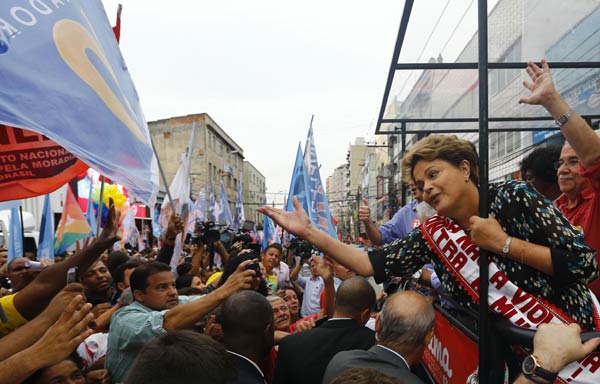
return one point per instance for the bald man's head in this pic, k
(406, 319)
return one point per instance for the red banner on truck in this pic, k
(451, 356)
(33, 165)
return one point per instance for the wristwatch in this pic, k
(506, 247)
(417, 275)
(564, 118)
(532, 369)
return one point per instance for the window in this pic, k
(501, 144)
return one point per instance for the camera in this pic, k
(254, 267)
(205, 233)
(302, 248)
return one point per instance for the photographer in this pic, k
(312, 286)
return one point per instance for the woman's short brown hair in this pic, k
(443, 147)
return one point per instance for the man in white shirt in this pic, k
(312, 286)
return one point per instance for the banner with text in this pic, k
(451, 356)
(33, 165)
(63, 77)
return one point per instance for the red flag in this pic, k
(117, 27)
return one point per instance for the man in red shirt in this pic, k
(578, 168)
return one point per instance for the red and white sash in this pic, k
(461, 257)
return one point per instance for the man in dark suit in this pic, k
(303, 356)
(404, 327)
(247, 321)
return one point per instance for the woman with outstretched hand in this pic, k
(539, 266)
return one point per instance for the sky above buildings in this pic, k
(261, 68)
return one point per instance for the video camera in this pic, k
(209, 232)
(205, 232)
(302, 248)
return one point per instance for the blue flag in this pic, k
(212, 206)
(46, 246)
(63, 76)
(15, 241)
(299, 185)
(269, 233)
(238, 218)
(90, 214)
(320, 214)
(198, 212)
(155, 223)
(225, 212)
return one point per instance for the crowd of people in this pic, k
(102, 315)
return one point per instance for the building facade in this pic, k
(514, 36)
(254, 191)
(216, 156)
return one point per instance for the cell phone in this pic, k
(321, 320)
(254, 267)
(34, 265)
(72, 275)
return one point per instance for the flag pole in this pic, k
(100, 205)
(162, 175)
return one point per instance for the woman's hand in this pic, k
(297, 222)
(487, 234)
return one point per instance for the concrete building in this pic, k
(254, 193)
(337, 186)
(216, 156)
(518, 31)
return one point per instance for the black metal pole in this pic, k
(399, 40)
(485, 371)
(403, 139)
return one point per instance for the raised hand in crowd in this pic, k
(55, 345)
(33, 298)
(25, 336)
(174, 228)
(575, 129)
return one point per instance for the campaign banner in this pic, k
(451, 356)
(63, 77)
(32, 164)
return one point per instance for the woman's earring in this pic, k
(466, 179)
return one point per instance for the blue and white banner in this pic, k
(63, 76)
(299, 185)
(238, 215)
(224, 216)
(320, 214)
(213, 207)
(46, 247)
(198, 212)
(269, 232)
(15, 240)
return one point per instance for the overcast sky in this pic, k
(261, 68)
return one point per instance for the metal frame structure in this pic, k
(489, 370)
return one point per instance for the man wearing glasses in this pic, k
(578, 168)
